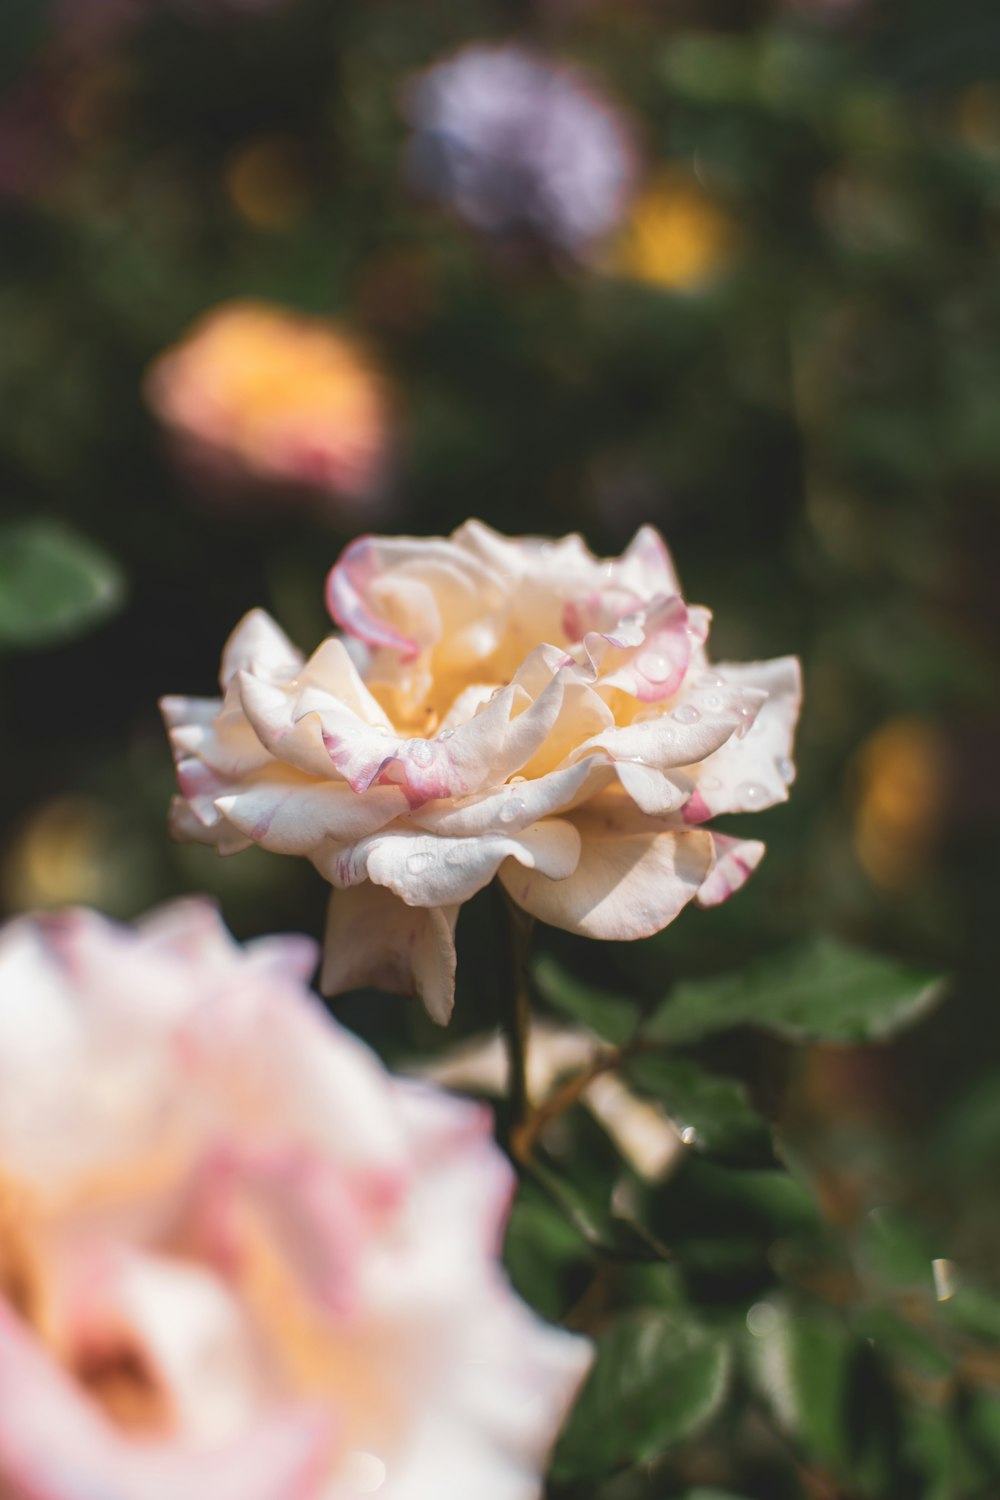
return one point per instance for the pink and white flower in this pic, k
(495, 707)
(238, 1260)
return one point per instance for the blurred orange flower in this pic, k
(258, 392)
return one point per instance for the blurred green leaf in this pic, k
(713, 1114)
(659, 1376)
(903, 1343)
(895, 1252)
(975, 1310)
(539, 1245)
(54, 584)
(612, 1017)
(799, 1358)
(822, 991)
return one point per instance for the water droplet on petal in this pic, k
(946, 1279)
(686, 713)
(751, 794)
(712, 700)
(512, 809)
(655, 665)
(446, 734)
(420, 751)
(762, 1319)
(363, 1473)
(419, 861)
(689, 1135)
(456, 854)
(785, 769)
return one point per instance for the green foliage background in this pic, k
(809, 1306)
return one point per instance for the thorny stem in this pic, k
(514, 928)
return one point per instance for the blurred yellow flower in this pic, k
(259, 392)
(900, 781)
(676, 235)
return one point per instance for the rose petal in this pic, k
(372, 937)
(54, 1445)
(735, 862)
(750, 774)
(628, 883)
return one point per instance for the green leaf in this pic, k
(612, 1017)
(902, 1342)
(54, 584)
(820, 991)
(539, 1247)
(659, 1376)
(713, 1114)
(895, 1253)
(975, 1310)
(799, 1359)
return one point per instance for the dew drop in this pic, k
(420, 751)
(785, 769)
(752, 794)
(946, 1279)
(762, 1319)
(446, 734)
(686, 713)
(363, 1473)
(419, 861)
(655, 665)
(689, 1135)
(512, 808)
(456, 854)
(712, 700)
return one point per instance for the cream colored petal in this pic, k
(752, 773)
(428, 870)
(372, 937)
(289, 813)
(259, 645)
(628, 883)
(735, 862)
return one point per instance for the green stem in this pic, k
(514, 928)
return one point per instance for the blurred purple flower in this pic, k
(520, 147)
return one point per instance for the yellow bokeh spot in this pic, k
(979, 117)
(60, 855)
(900, 784)
(676, 236)
(266, 182)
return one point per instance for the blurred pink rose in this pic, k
(239, 1261)
(511, 707)
(258, 392)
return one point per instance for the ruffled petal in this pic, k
(735, 862)
(429, 870)
(752, 773)
(372, 937)
(630, 881)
